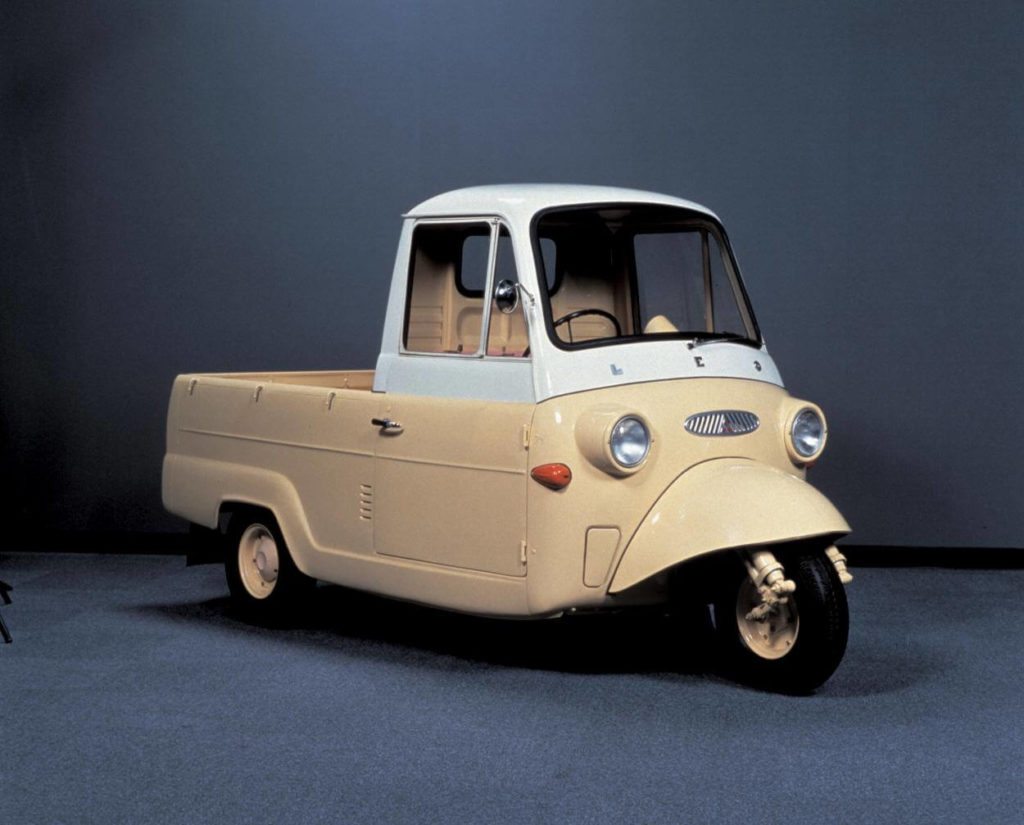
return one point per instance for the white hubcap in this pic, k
(258, 561)
(775, 635)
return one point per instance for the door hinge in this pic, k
(522, 552)
(526, 436)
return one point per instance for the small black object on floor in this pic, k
(5, 597)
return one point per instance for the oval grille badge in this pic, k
(722, 422)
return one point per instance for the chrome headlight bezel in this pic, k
(629, 442)
(806, 434)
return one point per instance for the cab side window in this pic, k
(447, 280)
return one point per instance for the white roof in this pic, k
(524, 200)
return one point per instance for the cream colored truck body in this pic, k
(440, 508)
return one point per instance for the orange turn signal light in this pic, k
(555, 476)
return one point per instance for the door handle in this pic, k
(387, 426)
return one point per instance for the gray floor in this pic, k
(133, 693)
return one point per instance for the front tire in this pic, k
(802, 643)
(264, 581)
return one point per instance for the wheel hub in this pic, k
(266, 559)
(771, 635)
(258, 561)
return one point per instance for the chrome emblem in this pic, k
(722, 422)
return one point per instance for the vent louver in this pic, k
(722, 422)
(366, 502)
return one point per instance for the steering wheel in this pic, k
(570, 316)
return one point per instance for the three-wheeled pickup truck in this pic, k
(573, 410)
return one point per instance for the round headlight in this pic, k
(808, 433)
(629, 441)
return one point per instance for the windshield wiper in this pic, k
(702, 338)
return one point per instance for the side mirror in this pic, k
(506, 296)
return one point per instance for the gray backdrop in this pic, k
(217, 186)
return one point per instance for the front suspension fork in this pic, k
(769, 577)
(839, 562)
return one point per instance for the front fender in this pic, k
(723, 503)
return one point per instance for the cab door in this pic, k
(451, 474)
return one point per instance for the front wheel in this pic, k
(798, 645)
(263, 580)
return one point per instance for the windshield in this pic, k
(611, 274)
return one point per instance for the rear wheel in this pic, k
(800, 643)
(263, 580)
